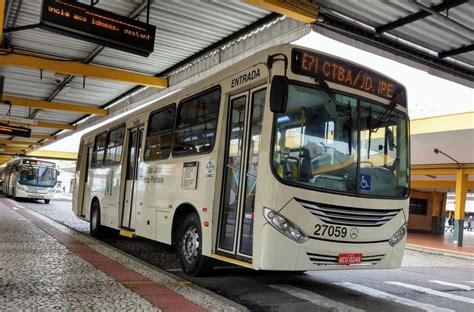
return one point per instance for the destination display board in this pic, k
(331, 69)
(14, 130)
(89, 23)
(34, 162)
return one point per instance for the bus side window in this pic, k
(113, 152)
(196, 124)
(99, 148)
(160, 133)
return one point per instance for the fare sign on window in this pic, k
(331, 69)
(82, 21)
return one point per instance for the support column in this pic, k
(435, 212)
(2, 12)
(443, 212)
(460, 205)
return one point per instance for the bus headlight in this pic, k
(284, 226)
(21, 187)
(398, 236)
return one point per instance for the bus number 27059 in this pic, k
(330, 230)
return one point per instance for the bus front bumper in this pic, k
(22, 194)
(317, 255)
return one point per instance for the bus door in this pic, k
(135, 136)
(84, 188)
(244, 125)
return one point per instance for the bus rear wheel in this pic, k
(96, 229)
(46, 201)
(190, 248)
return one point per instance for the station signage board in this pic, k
(85, 22)
(14, 130)
(313, 64)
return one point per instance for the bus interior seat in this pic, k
(305, 165)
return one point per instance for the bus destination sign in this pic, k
(331, 69)
(14, 130)
(82, 21)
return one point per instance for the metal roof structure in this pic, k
(195, 36)
(183, 29)
(438, 34)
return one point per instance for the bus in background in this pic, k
(288, 160)
(30, 178)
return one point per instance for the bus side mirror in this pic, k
(279, 94)
(57, 172)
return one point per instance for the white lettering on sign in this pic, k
(244, 78)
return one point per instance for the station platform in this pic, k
(442, 244)
(48, 266)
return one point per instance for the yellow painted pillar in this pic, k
(2, 12)
(460, 205)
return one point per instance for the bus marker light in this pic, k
(170, 206)
(206, 223)
(204, 209)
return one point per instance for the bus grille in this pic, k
(332, 260)
(350, 216)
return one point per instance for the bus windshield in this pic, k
(37, 176)
(349, 146)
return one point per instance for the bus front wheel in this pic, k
(46, 201)
(96, 229)
(190, 248)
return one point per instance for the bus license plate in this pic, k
(349, 258)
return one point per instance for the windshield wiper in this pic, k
(373, 127)
(322, 83)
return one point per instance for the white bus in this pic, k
(289, 160)
(30, 178)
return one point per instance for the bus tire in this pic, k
(189, 248)
(46, 201)
(96, 229)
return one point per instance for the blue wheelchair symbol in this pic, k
(365, 182)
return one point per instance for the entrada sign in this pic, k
(313, 64)
(88, 23)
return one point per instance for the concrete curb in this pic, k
(442, 252)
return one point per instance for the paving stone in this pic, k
(39, 273)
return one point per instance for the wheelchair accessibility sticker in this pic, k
(365, 182)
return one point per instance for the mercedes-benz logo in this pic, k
(354, 233)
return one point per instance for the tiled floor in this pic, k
(443, 242)
(46, 266)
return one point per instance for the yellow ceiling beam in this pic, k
(34, 135)
(441, 169)
(41, 124)
(433, 172)
(66, 107)
(13, 149)
(42, 136)
(79, 69)
(53, 154)
(438, 184)
(25, 143)
(302, 10)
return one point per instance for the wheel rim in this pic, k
(94, 220)
(190, 244)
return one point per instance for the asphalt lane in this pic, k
(424, 282)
